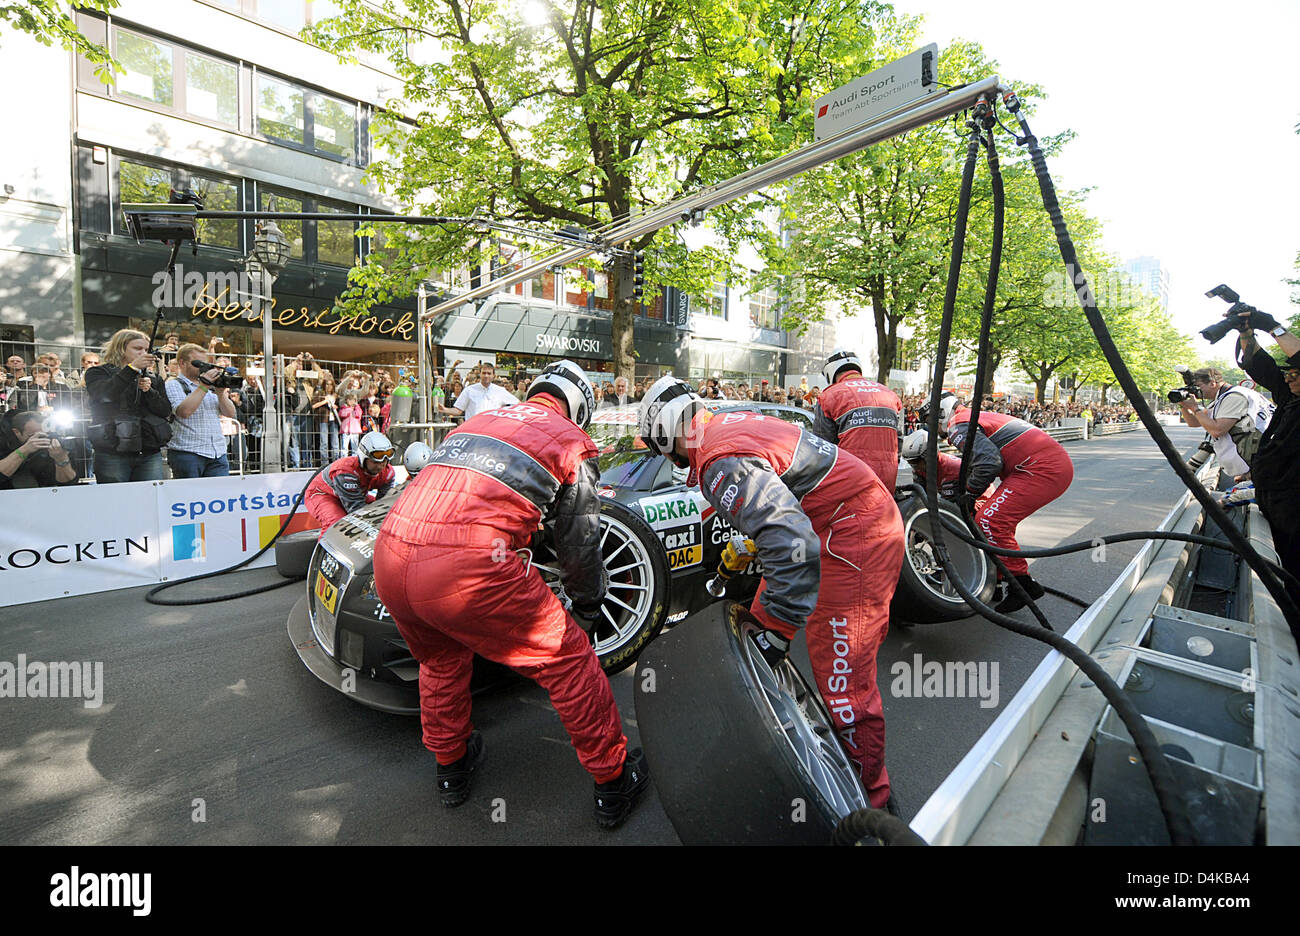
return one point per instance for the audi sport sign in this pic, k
(896, 85)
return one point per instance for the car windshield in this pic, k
(623, 456)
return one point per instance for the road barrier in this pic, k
(1113, 428)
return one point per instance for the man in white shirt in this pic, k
(484, 395)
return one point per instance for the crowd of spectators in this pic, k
(1042, 415)
(326, 408)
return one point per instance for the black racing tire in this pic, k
(923, 595)
(637, 601)
(740, 753)
(293, 553)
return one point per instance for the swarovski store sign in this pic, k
(516, 325)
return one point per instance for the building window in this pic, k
(389, 136)
(314, 241)
(139, 181)
(289, 15)
(336, 241)
(211, 89)
(334, 126)
(281, 111)
(171, 78)
(314, 121)
(714, 304)
(765, 308)
(291, 229)
(147, 68)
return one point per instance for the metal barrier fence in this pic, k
(1113, 428)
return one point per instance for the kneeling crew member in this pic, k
(860, 416)
(352, 482)
(913, 453)
(447, 567)
(1034, 468)
(828, 535)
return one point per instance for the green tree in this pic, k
(601, 109)
(48, 21)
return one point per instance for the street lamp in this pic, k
(267, 259)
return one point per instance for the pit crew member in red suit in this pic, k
(828, 534)
(352, 482)
(860, 415)
(449, 568)
(1034, 471)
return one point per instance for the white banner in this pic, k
(77, 540)
(212, 523)
(898, 84)
(90, 538)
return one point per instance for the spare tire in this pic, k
(637, 601)
(293, 553)
(740, 753)
(924, 594)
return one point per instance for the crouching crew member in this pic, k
(449, 570)
(1034, 471)
(913, 453)
(828, 535)
(860, 415)
(352, 482)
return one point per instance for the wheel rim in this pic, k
(629, 600)
(797, 711)
(970, 564)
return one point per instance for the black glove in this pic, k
(587, 618)
(966, 502)
(773, 646)
(1262, 320)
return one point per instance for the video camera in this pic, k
(228, 379)
(1189, 390)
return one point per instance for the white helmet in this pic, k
(841, 359)
(914, 445)
(416, 456)
(947, 406)
(375, 445)
(565, 380)
(665, 412)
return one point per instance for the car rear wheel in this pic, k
(637, 601)
(741, 752)
(924, 594)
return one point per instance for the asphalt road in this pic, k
(208, 714)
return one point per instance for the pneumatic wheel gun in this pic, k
(736, 556)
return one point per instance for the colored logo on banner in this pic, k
(188, 541)
(269, 524)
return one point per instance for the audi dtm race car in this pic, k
(661, 543)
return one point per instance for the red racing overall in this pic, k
(1034, 468)
(446, 568)
(863, 417)
(344, 486)
(831, 542)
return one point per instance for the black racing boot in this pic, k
(614, 800)
(453, 779)
(1013, 601)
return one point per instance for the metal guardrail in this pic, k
(971, 797)
(1113, 428)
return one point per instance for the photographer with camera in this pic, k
(1235, 418)
(200, 394)
(128, 411)
(1276, 468)
(30, 456)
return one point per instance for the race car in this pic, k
(661, 542)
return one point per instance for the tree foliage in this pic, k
(603, 108)
(48, 22)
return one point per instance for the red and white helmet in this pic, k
(666, 411)
(565, 380)
(841, 359)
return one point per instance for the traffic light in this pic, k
(638, 276)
